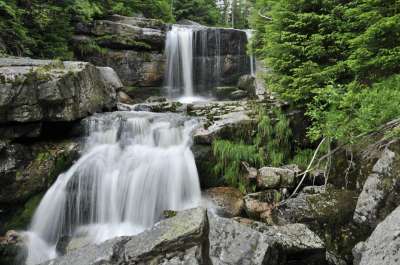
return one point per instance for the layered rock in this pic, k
(132, 46)
(38, 91)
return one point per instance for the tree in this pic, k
(324, 54)
(202, 11)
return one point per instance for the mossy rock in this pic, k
(21, 219)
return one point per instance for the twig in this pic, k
(305, 172)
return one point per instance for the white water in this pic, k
(179, 53)
(134, 166)
(249, 34)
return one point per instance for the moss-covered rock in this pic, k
(28, 170)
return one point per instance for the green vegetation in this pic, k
(271, 145)
(43, 29)
(21, 218)
(336, 59)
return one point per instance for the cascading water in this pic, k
(179, 53)
(134, 166)
(249, 34)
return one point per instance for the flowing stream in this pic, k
(133, 167)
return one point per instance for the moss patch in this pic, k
(23, 217)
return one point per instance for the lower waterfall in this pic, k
(134, 166)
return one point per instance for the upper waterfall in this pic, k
(199, 58)
(134, 166)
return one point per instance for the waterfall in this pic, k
(134, 166)
(249, 34)
(179, 53)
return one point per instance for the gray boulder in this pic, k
(294, 243)
(37, 91)
(383, 246)
(271, 177)
(381, 181)
(248, 83)
(178, 240)
(232, 243)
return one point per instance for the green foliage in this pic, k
(21, 218)
(43, 29)
(271, 145)
(230, 155)
(335, 58)
(202, 11)
(274, 137)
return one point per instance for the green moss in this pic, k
(22, 218)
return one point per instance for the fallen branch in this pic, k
(305, 172)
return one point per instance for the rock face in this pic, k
(220, 57)
(132, 46)
(383, 246)
(27, 170)
(35, 91)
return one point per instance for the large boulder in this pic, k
(236, 244)
(271, 177)
(383, 246)
(294, 243)
(179, 240)
(51, 91)
(248, 83)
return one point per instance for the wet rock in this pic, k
(154, 99)
(294, 243)
(12, 249)
(228, 202)
(178, 240)
(40, 90)
(259, 206)
(236, 244)
(248, 84)
(382, 180)
(135, 68)
(271, 177)
(383, 246)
